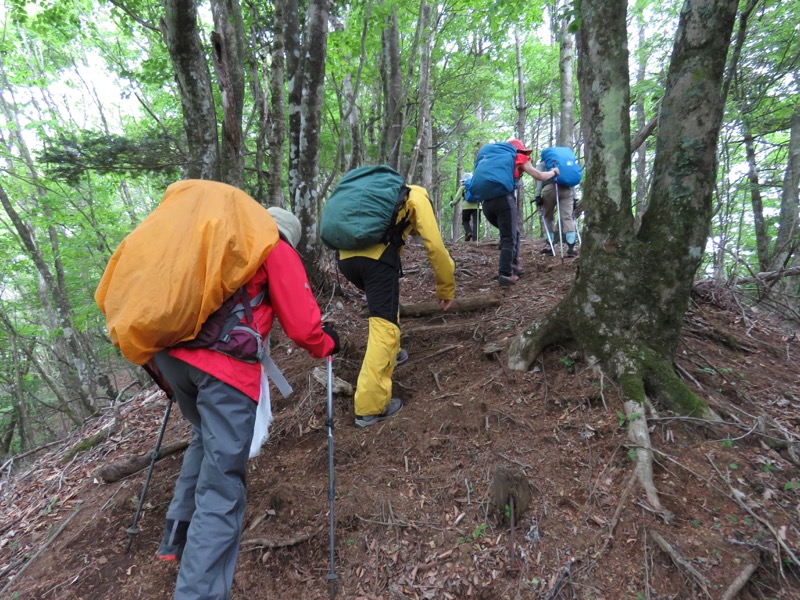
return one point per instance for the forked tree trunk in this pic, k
(627, 305)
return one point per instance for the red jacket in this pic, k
(289, 298)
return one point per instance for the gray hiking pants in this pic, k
(210, 491)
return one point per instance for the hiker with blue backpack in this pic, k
(557, 196)
(498, 169)
(218, 387)
(367, 219)
(469, 208)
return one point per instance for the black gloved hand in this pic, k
(538, 200)
(328, 329)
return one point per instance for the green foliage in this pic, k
(69, 157)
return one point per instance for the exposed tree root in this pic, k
(640, 436)
(741, 580)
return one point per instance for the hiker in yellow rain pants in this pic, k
(376, 270)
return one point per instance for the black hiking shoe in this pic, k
(571, 251)
(506, 281)
(395, 404)
(547, 250)
(173, 541)
(402, 357)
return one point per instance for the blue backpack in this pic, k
(469, 195)
(494, 171)
(570, 171)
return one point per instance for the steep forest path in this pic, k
(415, 495)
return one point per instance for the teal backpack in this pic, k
(363, 208)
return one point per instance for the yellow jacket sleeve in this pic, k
(422, 221)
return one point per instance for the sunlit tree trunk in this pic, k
(565, 61)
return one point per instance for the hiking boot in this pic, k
(402, 357)
(571, 251)
(547, 250)
(395, 404)
(468, 237)
(506, 281)
(173, 541)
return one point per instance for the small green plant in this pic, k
(622, 418)
(791, 486)
(567, 362)
(695, 523)
(733, 466)
(507, 512)
(768, 467)
(732, 518)
(479, 532)
(632, 456)
(727, 443)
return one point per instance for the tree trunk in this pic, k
(306, 194)
(294, 68)
(424, 128)
(227, 45)
(182, 37)
(787, 243)
(565, 61)
(393, 93)
(277, 118)
(627, 305)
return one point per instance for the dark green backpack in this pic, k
(363, 209)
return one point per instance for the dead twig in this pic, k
(273, 543)
(679, 560)
(738, 495)
(44, 547)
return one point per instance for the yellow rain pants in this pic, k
(374, 387)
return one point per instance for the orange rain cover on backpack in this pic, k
(204, 241)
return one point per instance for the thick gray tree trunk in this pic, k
(627, 305)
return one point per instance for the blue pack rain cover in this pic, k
(360, 210)
(469, 196)
(494, 171)
(570, 171)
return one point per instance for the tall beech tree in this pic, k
(632, 290)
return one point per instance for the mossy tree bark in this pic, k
(633, 286)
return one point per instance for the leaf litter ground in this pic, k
(414, 504)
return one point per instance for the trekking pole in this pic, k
(547, 231)
(331, 578)
(133, 530)
(558, 212)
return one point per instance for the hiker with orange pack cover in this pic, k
(216, 391)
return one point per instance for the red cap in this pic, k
(520, 146)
